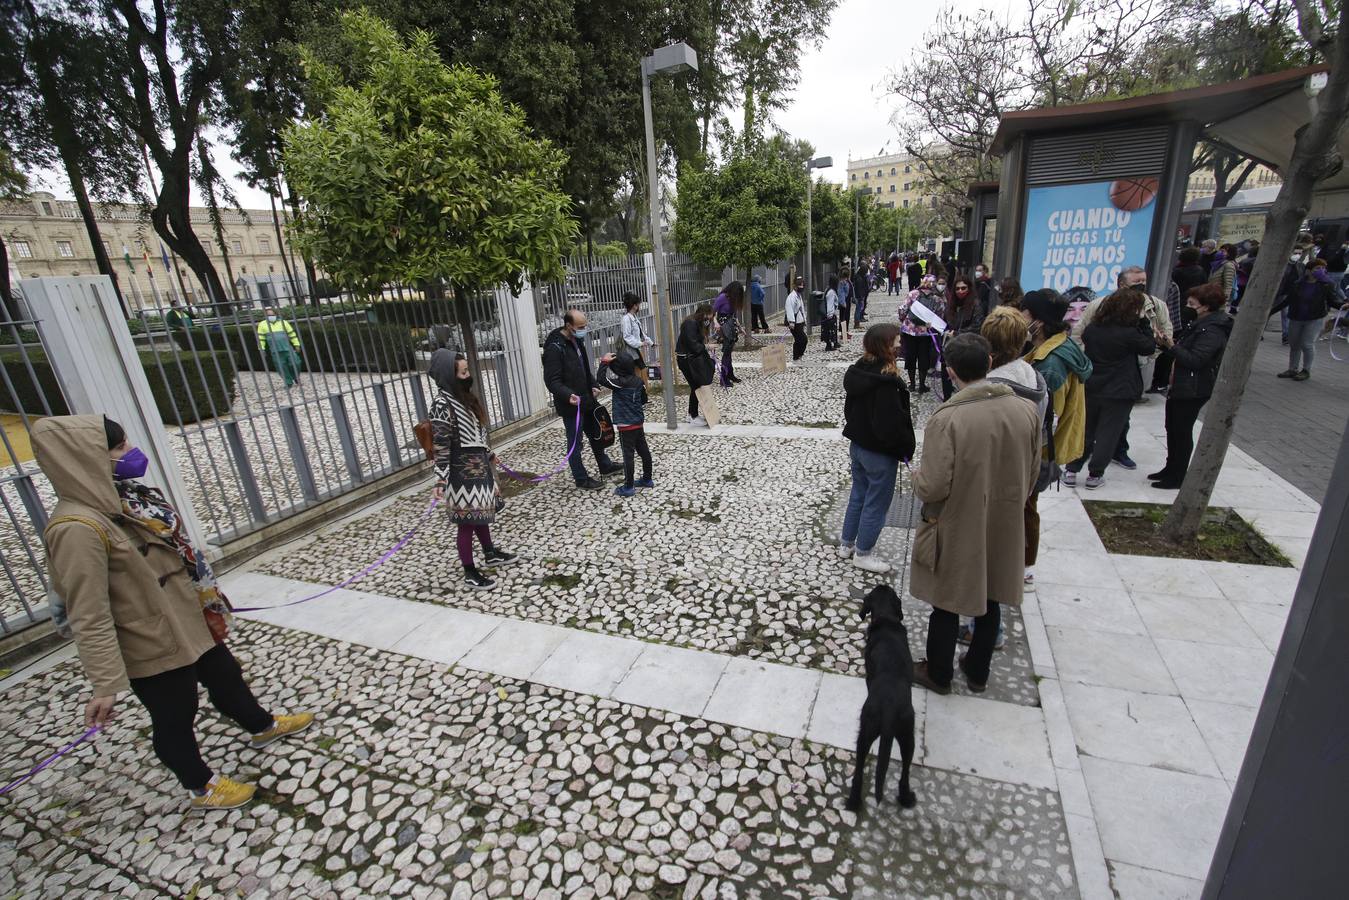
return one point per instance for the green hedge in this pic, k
(185, 386)
(327, 346)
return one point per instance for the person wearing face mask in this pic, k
(571, 381)
(1307, 304)
(143, 603)
(1195, 355)
(463, 465)
(277, 338)
(983, 286)
(695, 363)
(962, 314)
(916, 337)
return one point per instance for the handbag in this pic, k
(422, 431)
(604, 426)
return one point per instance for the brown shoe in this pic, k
(923, 679)
(973, 685)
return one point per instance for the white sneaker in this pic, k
(698, 422)
(870, 563)
(1030, 578)
(845, 551)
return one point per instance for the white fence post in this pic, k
(90, 349)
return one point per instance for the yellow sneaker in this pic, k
(223, 793)
(282, 726)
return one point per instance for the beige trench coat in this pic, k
(981, 455)
(131, 603)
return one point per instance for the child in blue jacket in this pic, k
(618, 374)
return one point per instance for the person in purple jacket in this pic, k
(726, 308)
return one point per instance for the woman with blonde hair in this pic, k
(880, 428)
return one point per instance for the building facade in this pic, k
(896, 180)
(45, 236)
(1202, 183)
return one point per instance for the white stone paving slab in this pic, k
(1227, 731)
(1074, 567)
(1002, 741)
(838, 709)
(1266, 620)
(514, 649)
(1157, 819)
(764, 696)
(448, 636)
(1078, 606)
(1126, 661)
(588, 663)
(1235, 675)
(1254, 584)
(1137, 883)
(1204, 620)
(671, 678)
(1134, 727)
(1156, 574)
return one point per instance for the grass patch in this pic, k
(513, 487)
(656, 389)
(566, 582)
(821, 425)
(1224, 536)
(730, 477)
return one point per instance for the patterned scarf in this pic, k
(146, 508)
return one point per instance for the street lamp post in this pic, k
(673, 58)
(820, 162)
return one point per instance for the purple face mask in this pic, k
(132, 464)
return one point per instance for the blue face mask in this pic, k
(132, 464)
(580, 332)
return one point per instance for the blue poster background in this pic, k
(1075, 236)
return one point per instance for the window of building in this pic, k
(65, 250)
(907, 169)
(264, 245)
(892, 188)
(854, 176)
(22, 249)
(880, 173)
(236, 246)
(907, 184)
(906, 204)
(893, 170)
(47, 209)
(107, 249)
(271, 269)
(890, 205)
(866, 176)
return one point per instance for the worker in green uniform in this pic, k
(277, 337)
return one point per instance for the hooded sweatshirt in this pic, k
(876, 411)
(132, 605)
(620, 376)
(1025, 382)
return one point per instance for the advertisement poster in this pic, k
(1233, 228)
(1083, 235)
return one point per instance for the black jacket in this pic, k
(861, 284)
(566, 371)
(876, 411)
(915, 273)
(1309, 306)
(694, 360)
(1197, 353)
(1114, 351)
(1187, 277)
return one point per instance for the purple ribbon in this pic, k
(89, 732)
(388, 555)
(538, 479)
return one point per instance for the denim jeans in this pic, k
(578, 468)
(873, 486)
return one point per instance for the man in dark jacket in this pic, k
(914, 270)
(861, 287)
(571, 381)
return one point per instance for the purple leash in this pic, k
(90, 732)
(388, 555)
(538, 479)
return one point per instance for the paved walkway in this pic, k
(1295, 428)
(661, 700)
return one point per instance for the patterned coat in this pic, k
(463, 462)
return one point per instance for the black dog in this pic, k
(888, 711)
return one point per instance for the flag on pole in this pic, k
(145, 254)
(164, 255)
(126, 255)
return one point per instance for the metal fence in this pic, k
(268, 419)
(25, 493)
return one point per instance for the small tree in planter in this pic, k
(415, 170)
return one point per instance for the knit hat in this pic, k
(1045, 305)
(115, 433)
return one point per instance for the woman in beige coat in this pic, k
(142, 603)
(981, 456)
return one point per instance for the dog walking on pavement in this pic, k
(888, 711)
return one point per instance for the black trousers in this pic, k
(798, 340)
(687, 371)
(1161, 372)
(1181, 415)
(918, 351)
(171, 699)
(942, 630)
(757, 319)
(1106, 424)
(829, 332)
(634, 444)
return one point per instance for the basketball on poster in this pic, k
(1084, 235)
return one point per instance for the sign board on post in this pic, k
(774, 358)
(707, 405)
(1084, 235)
(90, 348)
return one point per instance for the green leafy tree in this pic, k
(415, 170)
(747, 211)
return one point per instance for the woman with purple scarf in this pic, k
(727, 310)
(1223, 270)
(1311, 298)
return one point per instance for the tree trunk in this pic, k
(465, 315)
(309, 272)
(281, 248)
(1315, 157)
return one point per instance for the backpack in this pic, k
(1050, 471)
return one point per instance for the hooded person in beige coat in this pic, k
(981, 456)
(142, 603)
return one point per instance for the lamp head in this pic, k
(672, 58)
